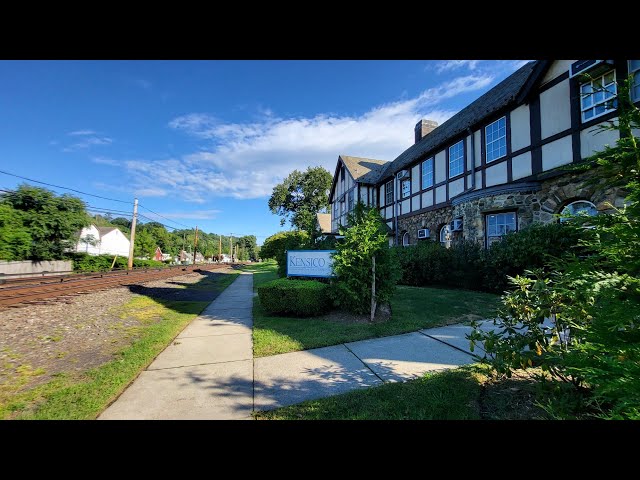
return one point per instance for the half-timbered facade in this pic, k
(500, 163)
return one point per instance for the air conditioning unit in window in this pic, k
(592, 67)
(402, 174)
(456, 225)
(424, 233)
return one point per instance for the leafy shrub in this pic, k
(426, 263)
(590, 298)
(531, 248)
(468, 265)
(295, 297)
(276, 247)
(83, 262)
(365, 238)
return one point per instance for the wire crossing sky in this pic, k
(204, 142)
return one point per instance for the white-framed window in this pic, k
(634, 68)
(597, 96)
(445, 236)
(406, 188)
(578, 208)
(350, 197)
(405, 239)
(427, 173)
(456, 159)
(388, 192)
(498, 225)
(496, 139)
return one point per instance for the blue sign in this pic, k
(309, 263)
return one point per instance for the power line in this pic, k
(155, 221)
(64, 188)
(168, 219)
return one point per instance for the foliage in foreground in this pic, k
(295, 297)
(364, 239)
(581, 322)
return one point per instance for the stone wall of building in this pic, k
(532, 206)
(432, 220)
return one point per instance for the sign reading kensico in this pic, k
(309, 263)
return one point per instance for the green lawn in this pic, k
(86, 395)
(413, 308)
(465, 393)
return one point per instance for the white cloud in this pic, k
(88, 140)
(106, 161)
(449, 65)
(245, 160)
(82, 132)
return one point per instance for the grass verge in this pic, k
(465, 393)
(413, 308)
(86, 395)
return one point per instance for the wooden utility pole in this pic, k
(231, 247)
(220, 249)
(133, 233)
(195, 245)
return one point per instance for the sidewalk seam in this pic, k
(362, 361)
(446, 343)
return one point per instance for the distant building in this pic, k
(103, 241)
(158, 256)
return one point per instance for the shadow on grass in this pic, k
(206, 289)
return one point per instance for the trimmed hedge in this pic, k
(303, 298)
(467, 265)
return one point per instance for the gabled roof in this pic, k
(324, 222)
(104, 230)
(364, 170)
(510, 90)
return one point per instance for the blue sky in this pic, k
(204, 142)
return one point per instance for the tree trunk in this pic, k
(373, 287)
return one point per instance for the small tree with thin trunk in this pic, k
(364, 239)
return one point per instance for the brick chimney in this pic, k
(423, 128)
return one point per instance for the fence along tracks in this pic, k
(24, 291)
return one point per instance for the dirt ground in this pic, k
(39, 341)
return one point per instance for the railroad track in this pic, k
(23, 291)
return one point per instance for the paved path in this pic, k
(209, 371)
(206, 373)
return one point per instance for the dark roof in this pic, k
(364, 170)
(105, 230)
(498, 97)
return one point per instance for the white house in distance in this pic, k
(103, 241)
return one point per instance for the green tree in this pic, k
(364, 238)
(15, 239)
(53, 222)
(301, 196)
(583, 319)
(144, 244)
(277, 245)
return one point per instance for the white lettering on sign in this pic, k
(309, 263)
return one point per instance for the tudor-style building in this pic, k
(497, 165)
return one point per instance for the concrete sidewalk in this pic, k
(209, 371)
(206, 373)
